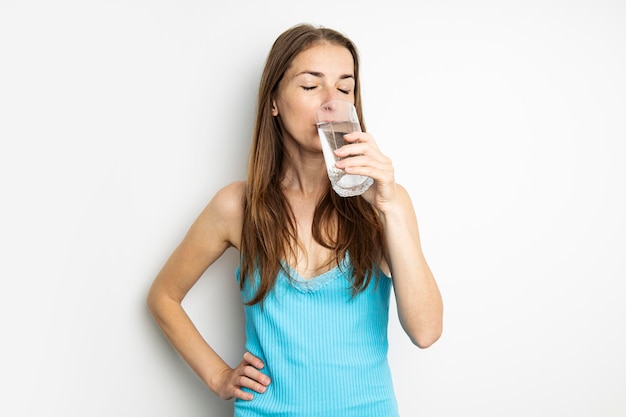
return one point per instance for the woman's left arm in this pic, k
(419, 302)
(420, 306)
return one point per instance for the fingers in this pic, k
(360, 137)
(251, 365)
(247, 375)
(253, 380)
(358, 143)
(362, 156)
(253, 360)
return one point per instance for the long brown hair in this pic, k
(269, 229)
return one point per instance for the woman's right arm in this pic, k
(216, 229)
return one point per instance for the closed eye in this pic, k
(344, 91)
(309, 88)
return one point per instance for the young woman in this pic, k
(316, 269)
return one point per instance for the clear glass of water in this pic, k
(334, 119)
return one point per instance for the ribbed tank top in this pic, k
(324, 349)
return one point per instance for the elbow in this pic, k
(425, 342)
(426, 338)
(161, 302)
(152, 306)
(154, 303)
(150, 303)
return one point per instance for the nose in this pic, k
(331, 94)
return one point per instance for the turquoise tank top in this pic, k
(324, 350)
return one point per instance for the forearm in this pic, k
(186, 339)
(420, 307)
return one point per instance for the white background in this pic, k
(506, 121)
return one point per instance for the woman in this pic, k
(316, 269)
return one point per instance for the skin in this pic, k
(318, 74)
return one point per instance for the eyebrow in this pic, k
(321, 75)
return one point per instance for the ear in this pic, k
(274, 108)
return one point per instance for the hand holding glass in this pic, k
(335, 119)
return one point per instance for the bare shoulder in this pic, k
(228, 201)
(223, 216)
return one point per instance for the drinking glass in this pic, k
(336, 118)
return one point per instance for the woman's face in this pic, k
(321, 73)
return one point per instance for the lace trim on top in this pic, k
(317, 282)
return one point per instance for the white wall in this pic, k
(120, 119)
